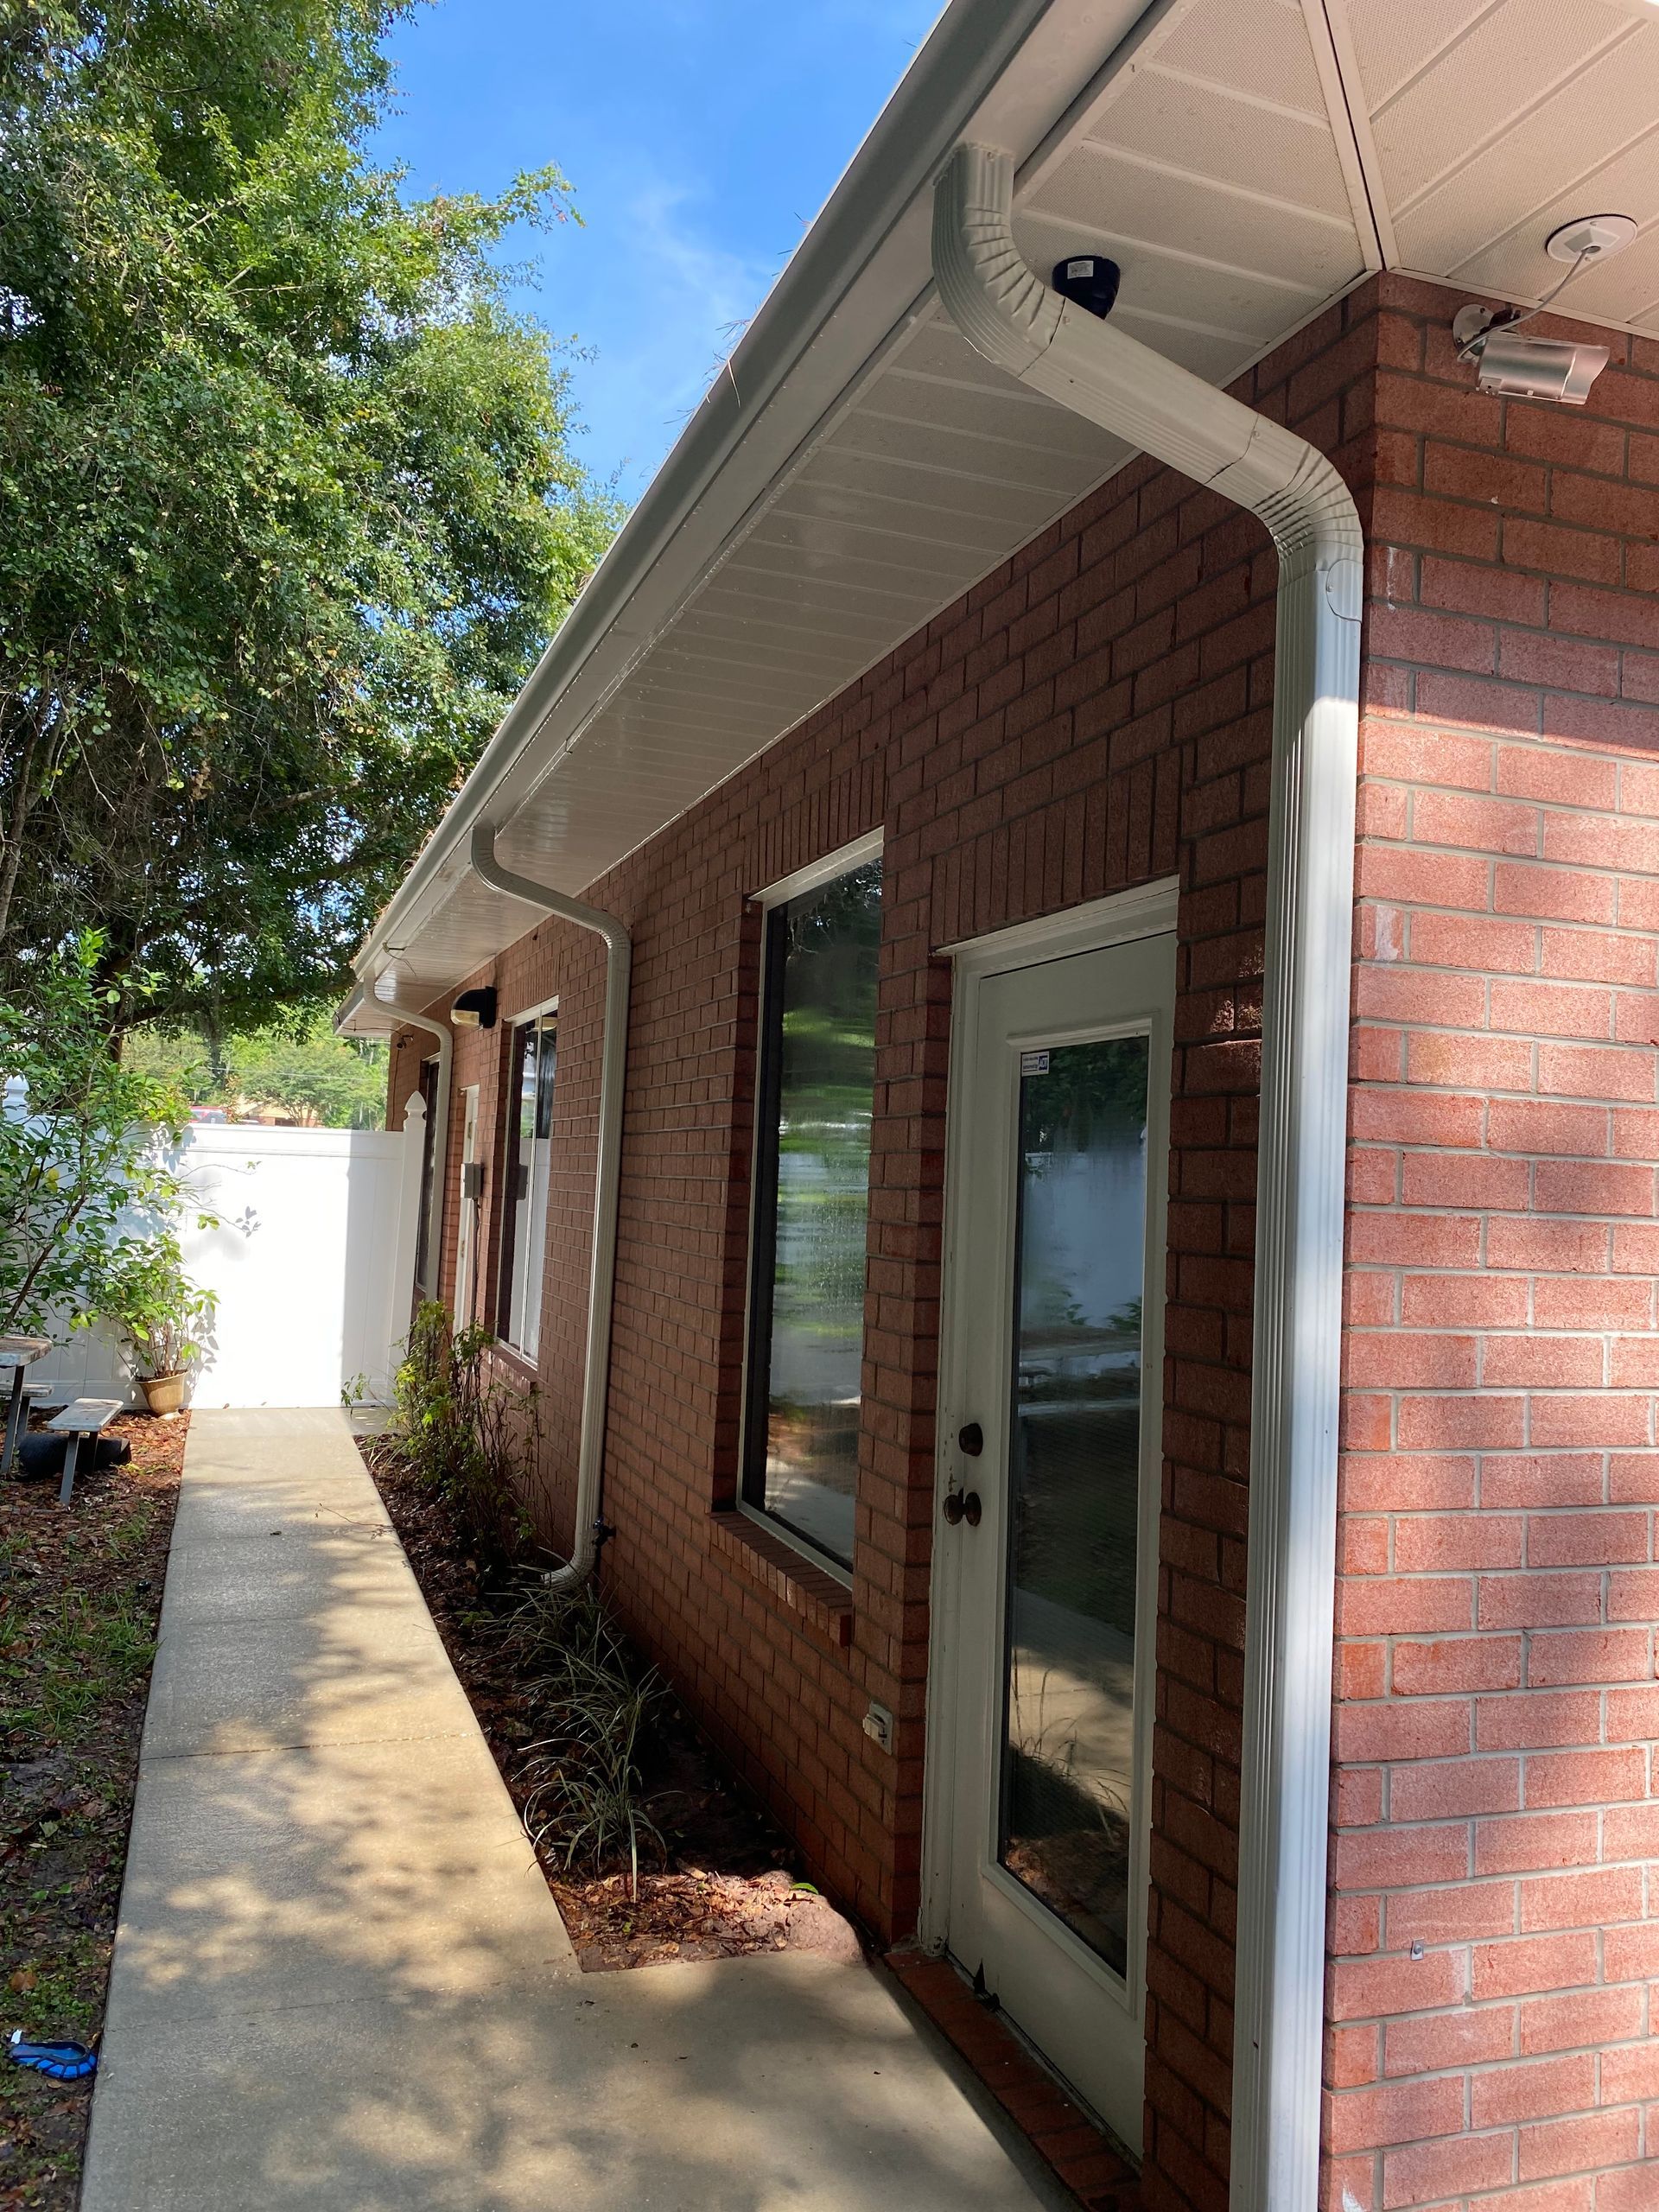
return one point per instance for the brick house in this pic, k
(959, 1403)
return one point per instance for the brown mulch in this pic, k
(695, 1915)
(729, 1889)
(80, 1592)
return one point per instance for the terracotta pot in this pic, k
(163, 1394)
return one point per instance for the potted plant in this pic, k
(161, 1318)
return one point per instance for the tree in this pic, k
(88, 1192)
(287, 510)
(304, 1072)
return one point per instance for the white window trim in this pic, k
(1148, 910)
(524, 1020)
(817, 873)
(812, 877)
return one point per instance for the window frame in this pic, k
(509, 1328)
(763, 1186)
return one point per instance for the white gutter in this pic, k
(596, 1374)
(1016, 320)
(428, 1286)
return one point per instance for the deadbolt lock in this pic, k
(971, 1439)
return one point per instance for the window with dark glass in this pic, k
(426, 1258)
(523, 1201)
(811, 1208)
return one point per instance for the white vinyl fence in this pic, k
(313, 1263)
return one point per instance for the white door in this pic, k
(1050, 1465)
(466, 1240)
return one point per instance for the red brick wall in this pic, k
(1493, 1953)
(1094, 715)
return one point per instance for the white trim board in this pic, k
(817, 873)
(1148, 910)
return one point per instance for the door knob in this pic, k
(963, 1505)
(971, 1439)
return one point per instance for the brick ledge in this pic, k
(1089, 2160)
(810, 1591)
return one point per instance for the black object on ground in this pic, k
(40, 1459)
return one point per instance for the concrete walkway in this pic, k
(340, 1981)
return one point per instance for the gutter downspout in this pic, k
(607, 1177)
(415, 1019)
(1016, 320)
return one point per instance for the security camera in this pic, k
(1520, 368)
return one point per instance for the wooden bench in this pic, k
(81, 1417)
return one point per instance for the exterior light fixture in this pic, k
(1559, 369)
(1527, 368)
(474, 1009)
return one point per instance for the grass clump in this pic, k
(69, 1647)
(584, 1791)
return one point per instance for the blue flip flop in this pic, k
(64, 2061)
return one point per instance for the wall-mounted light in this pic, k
(1542, 368)
(1518, 367)
(474, 1009)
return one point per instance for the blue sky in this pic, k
(701, 137)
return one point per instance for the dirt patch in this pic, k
(729, 1887)
(80, 1592)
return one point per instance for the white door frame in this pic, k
(469, 1214)
(1147, 910)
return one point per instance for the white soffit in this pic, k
(1492, 121)
(1223, 199)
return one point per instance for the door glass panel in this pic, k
(1074, 1473)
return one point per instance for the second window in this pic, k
(811, 1208)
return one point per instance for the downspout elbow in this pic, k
(1008, 314)
(590, 1531)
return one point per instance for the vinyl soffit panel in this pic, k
(1489, 122)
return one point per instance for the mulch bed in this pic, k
(729, 1887)
(80, 1592)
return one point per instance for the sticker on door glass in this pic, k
(1033, 1063)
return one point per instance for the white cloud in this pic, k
(674, 306)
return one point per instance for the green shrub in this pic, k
(462, 1429)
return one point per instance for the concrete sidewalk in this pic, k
(340, 1981)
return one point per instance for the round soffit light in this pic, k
(1591, 237)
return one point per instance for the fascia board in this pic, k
(1003, 70)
